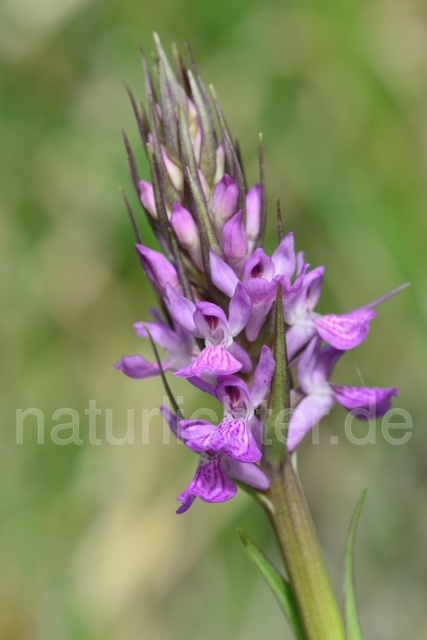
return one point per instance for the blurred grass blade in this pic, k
(276, 582)
(352, 625)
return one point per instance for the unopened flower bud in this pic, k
(187, 233)
(146, 195)
(235, 243)
(159, 270)
(220, 163)
(225, 197)
(174, 172)
(253, 215)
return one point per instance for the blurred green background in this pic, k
(90, 547)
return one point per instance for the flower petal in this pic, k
(242, 356)
(187, 233)
(306, 415)
(239, 310)
(222, 275)
(236, 440)
(262, 294)
(225, 197)
(197, 433)
(235, 244)
(137, 367)
(373, 402)
(253, 214)
(345, 331)
(240, 391)
(261, 290)
(214, 333)
(146, 195)
(181, 310)
(159, 270)
(298, 335)
(162, 335)
(210, 484)
(299, 305)
(259, 265)
(284, 257)
(171, 419)
(213, 359)
(315, 365)
(263, 376)
(247, 473)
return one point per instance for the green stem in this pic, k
(302, 557)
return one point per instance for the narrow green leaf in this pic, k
(275, 427)
(277, 583)
(352, 625)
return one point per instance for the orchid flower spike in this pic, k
(219, 290)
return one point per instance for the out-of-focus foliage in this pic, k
(89, 544)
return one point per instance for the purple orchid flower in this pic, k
(213, 481)
(314, 369)
(341, 331)
(178, 344)
(234, 435)
(221, 354)
(261, 278)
